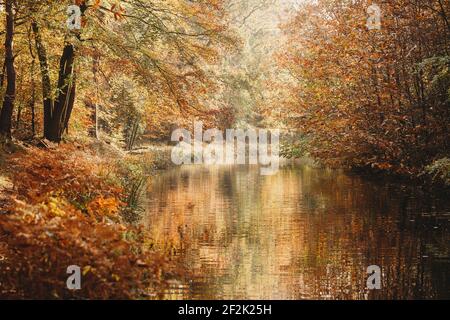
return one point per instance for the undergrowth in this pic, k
(69, 207)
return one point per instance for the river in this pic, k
(304, 233)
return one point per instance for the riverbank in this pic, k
(434, 174)
(433, 179)
(77, 204)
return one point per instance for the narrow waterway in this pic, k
(304, 233)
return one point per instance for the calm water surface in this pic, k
(303, 233)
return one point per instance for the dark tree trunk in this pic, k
(32, 105)
(65, 99)
(2, 75)
(45, 75)
(66, 95)
(19, 115)
(8, 101)
(33, 85)
(93, 131)
(56, 113)
(70, 103)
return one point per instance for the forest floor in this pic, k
(77, 205)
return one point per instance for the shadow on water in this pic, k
(304, 233)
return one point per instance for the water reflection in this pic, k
(304, 233)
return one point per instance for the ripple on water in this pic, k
(303, 233)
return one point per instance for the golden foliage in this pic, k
(66, 211)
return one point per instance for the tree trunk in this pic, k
(33, 85)
(65, 99)
(2, 75)
(66, 95)
(45, 75)
(8, 101)
(56, 113)
(94, 106)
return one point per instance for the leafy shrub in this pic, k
(66, 172)
(133, 172)
(294, 147)
(439, 170)
(65, 210)
(39, 242)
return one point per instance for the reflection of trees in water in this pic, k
(305, 233)
(366, 219)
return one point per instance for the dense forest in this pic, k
(372, 98)
(90, 91)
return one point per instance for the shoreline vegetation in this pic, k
(78, 204)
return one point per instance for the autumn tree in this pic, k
(166, 46)
(9, 98)
(370, 97)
